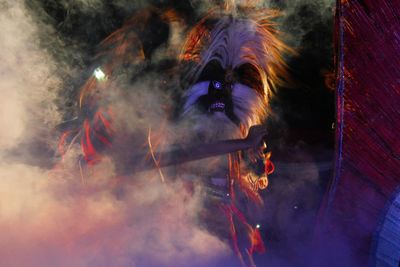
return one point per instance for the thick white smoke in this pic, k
(66, 216)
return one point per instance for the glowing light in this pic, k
(269, 167)
(258, 226)
(262, 182)
(217, 85)
(99, 74)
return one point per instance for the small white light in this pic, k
(217, 85)
(227, 195)
(99, 74)
(258, 226)
(295, 207)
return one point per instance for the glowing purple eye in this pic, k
(217, 85)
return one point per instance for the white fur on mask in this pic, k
(246, 106)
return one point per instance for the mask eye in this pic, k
(249, 75)
(217, 85)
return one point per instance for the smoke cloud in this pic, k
(66, 215)
(55, 212)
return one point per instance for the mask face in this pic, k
(225, 92)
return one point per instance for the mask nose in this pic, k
(219, 89)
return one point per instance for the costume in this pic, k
(230, 64)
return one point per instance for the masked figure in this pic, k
(231, 62)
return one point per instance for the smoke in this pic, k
(68, 215)
(27, 81)
(48, 221)
(302, 17)
(71, 216)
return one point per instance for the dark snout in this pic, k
(219, 97)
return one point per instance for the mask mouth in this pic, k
(217, 106)
(213, 97)
(223, 106)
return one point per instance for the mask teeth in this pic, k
(218, 105)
